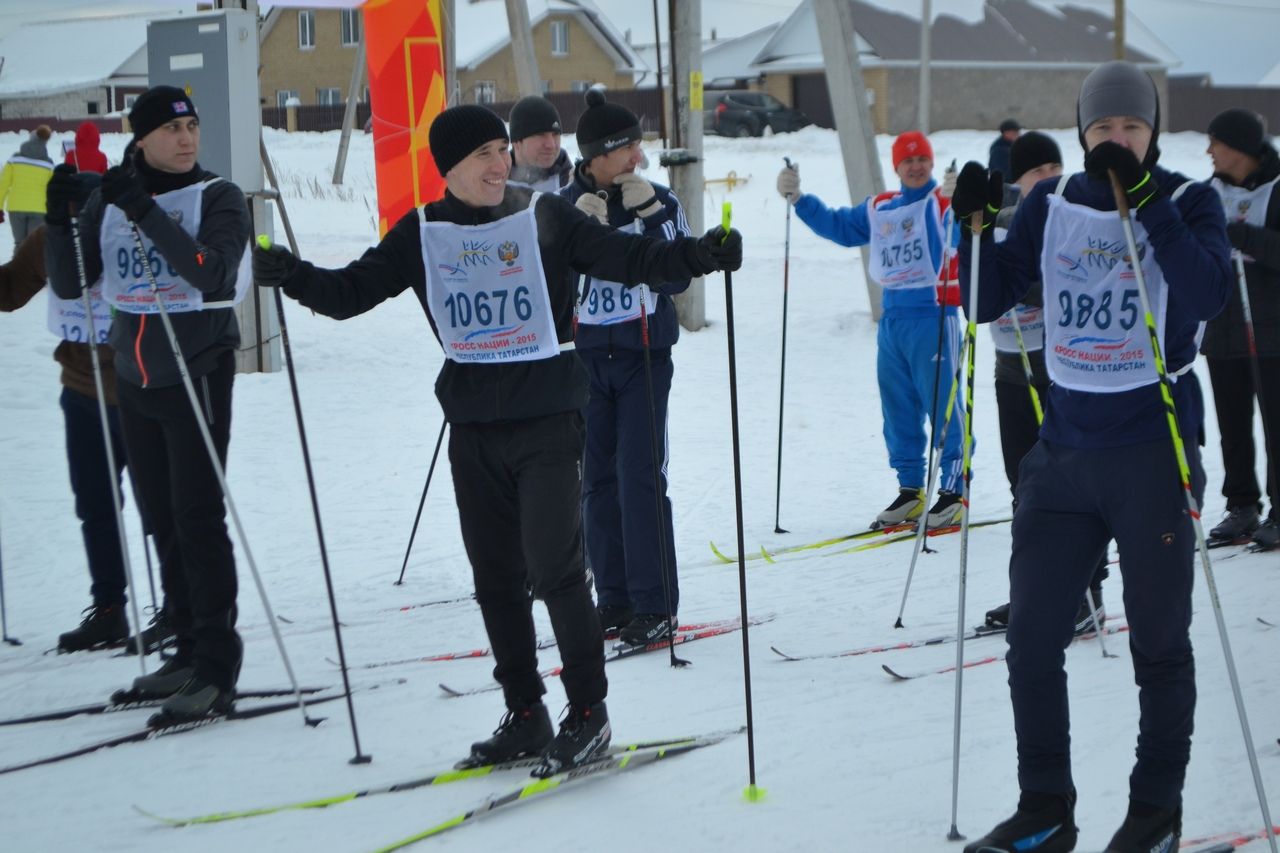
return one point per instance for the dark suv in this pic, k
(741, 113)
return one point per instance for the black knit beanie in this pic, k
(533, 114)
(458, 131)
(605, 127)
(1243, 130)
(1119, 88)
(157, 106)
(1030, 150)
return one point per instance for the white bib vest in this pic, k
(1242, 205)
(899, 247)
(549, 184)
(1095, 337)
(67, 320)
(605, 303)
(1030, 322)
(486, 289)
(125, 282)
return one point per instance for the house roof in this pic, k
(477, 39)
(59, 56)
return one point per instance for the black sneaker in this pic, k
(1267, 536)
(161, 684)
(103, 625)
(197, 699)
(1044, 823)
(1240, 521)
(613, 619)
(906, 506)
(1147, 829)
(584, 734)
(998, 618)
(1084, 616)
(523, 732)
(647, 628)
(155, 637)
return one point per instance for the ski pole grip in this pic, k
(264, 242)
(1122, 198)
(726, 216)
(975, 222)
(787, 160)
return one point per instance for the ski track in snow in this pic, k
(850, 760)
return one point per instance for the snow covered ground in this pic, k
(850, 759)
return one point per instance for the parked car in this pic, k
(742, 113)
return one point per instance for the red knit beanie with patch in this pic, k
(913, 143)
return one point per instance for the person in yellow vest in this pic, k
(22, 183)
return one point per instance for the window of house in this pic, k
(329, 97)
(128, 101)
(559, 38)
(92, 108)
(306, 29)
(486, 91)
(581, 85)
(350, 27)
(283, 95)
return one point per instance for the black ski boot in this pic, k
(997, 620)
(161, 684)
(647, 628)
(1044, 823)
(197, 699)
(1240, 521)
(156, 637)
(1266, 537)
(1147, 829)
(103, 625)
(1084, 616)
(613, 619)
(523, 732)
(584, 734)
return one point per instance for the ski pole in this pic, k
(431, 469)
(752, 792)
(1273, 483)
(1184, 473)
(4, 619)
(216, 465)
(659, 484)
(782, 371)
(113, 475)
(971, 346)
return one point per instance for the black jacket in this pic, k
(210, 262)
(1224, 337)
(569, 242)
(667, 224)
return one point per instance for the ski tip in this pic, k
(450, 692)
(897, 676)
(768, 558)
(720, 555)
(782, 654)
(753, 793)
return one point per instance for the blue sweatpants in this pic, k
(1071, 501)
(618, 499)
(906, 365)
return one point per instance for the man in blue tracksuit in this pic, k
(908, 248)
(1104, 466)
(625, 539)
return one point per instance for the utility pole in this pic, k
(849, 107)
(685, 163)
(526, 62)
(1119, 39)
(926, 32)
(349, 114)
(449, 36)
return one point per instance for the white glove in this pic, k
(592, 205)
(789, 183)
(948, 187)
(638, 196)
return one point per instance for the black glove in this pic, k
(718, 251)
(123, 189)
(1139, 186)
(272, 267)
(63, 192)
(977, 190)
(1237, 234)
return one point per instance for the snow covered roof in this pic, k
(37, 60)
(477, 37)
(1272, 77)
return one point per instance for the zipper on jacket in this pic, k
(137, 350)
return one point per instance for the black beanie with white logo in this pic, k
(605, 127)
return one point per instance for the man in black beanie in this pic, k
(495, 268)
(194, 228)
(631, 548)
(537, 160)
(1245, 172)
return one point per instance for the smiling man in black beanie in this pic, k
(1245, 172)
(194, 228)
(537, 160)
(495, 269)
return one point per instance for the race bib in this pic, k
(66, 318)
(1242, 205)
(1030, 321)
(605, 303)
(900, 245)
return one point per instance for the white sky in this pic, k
(1237, 49)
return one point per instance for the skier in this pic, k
(1000, 151)
(1032, 158)
(195, 229)
(619, 504)
(1245, 172)
(486, 258)
(22, 184)
(1104, 465)
(537, 160)
(908, 241)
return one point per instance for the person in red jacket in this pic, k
(87, 156)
